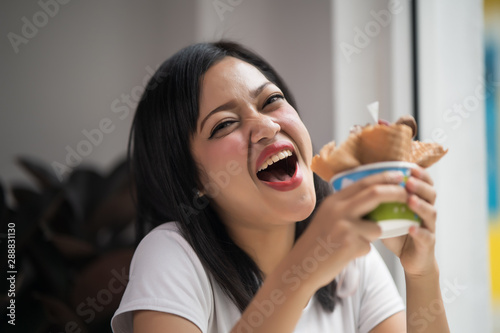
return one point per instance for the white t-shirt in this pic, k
(166, 275)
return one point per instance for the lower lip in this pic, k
(290, 184)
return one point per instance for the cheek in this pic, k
(227, 153)
(222, 163)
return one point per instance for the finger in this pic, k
(420, 173)
(358, 234)
(422, 189)
(388, 177)
(369, 198)
(425, 210)
(368, 230)
(422, 237)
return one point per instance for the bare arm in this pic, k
(425, 309)
(276, 307)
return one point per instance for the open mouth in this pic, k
(278, 168)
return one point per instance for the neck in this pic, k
(268, 246)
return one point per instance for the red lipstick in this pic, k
(285, 185)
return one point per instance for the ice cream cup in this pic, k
(394, 218)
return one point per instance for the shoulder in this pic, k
(165, 258)
(164, 244)
(158, 237)
(166, 275)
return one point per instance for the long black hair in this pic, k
(167, 178)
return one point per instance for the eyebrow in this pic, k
(257, 91)
(230, 104)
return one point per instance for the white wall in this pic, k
(371, 54)
(452, 112)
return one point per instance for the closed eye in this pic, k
(221, 126)
(273, 98)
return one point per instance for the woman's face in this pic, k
(252, 149)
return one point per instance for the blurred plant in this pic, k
(74, 243)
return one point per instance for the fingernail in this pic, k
(413, 230)
(410, 184)
(416, 170)
(413, 201)
(395, 175)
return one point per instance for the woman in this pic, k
(256, 239)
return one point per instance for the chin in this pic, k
(302, 207)
(308, 207)
(308, 198)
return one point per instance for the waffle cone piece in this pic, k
(376, 143)
(426, 154)
(380, 143)
(332, 160)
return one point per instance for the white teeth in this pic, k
(275, 158)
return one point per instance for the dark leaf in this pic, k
(115, 212)
(45, 178)
(31, 206)
(59, 217)
(28, 199)
(72, 248)
(83, 190)
(53, 271)
(105, 280)
(60, 314)
(3, 202)
(117, 177)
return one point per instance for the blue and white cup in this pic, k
(394, 218)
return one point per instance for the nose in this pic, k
(263, 127)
